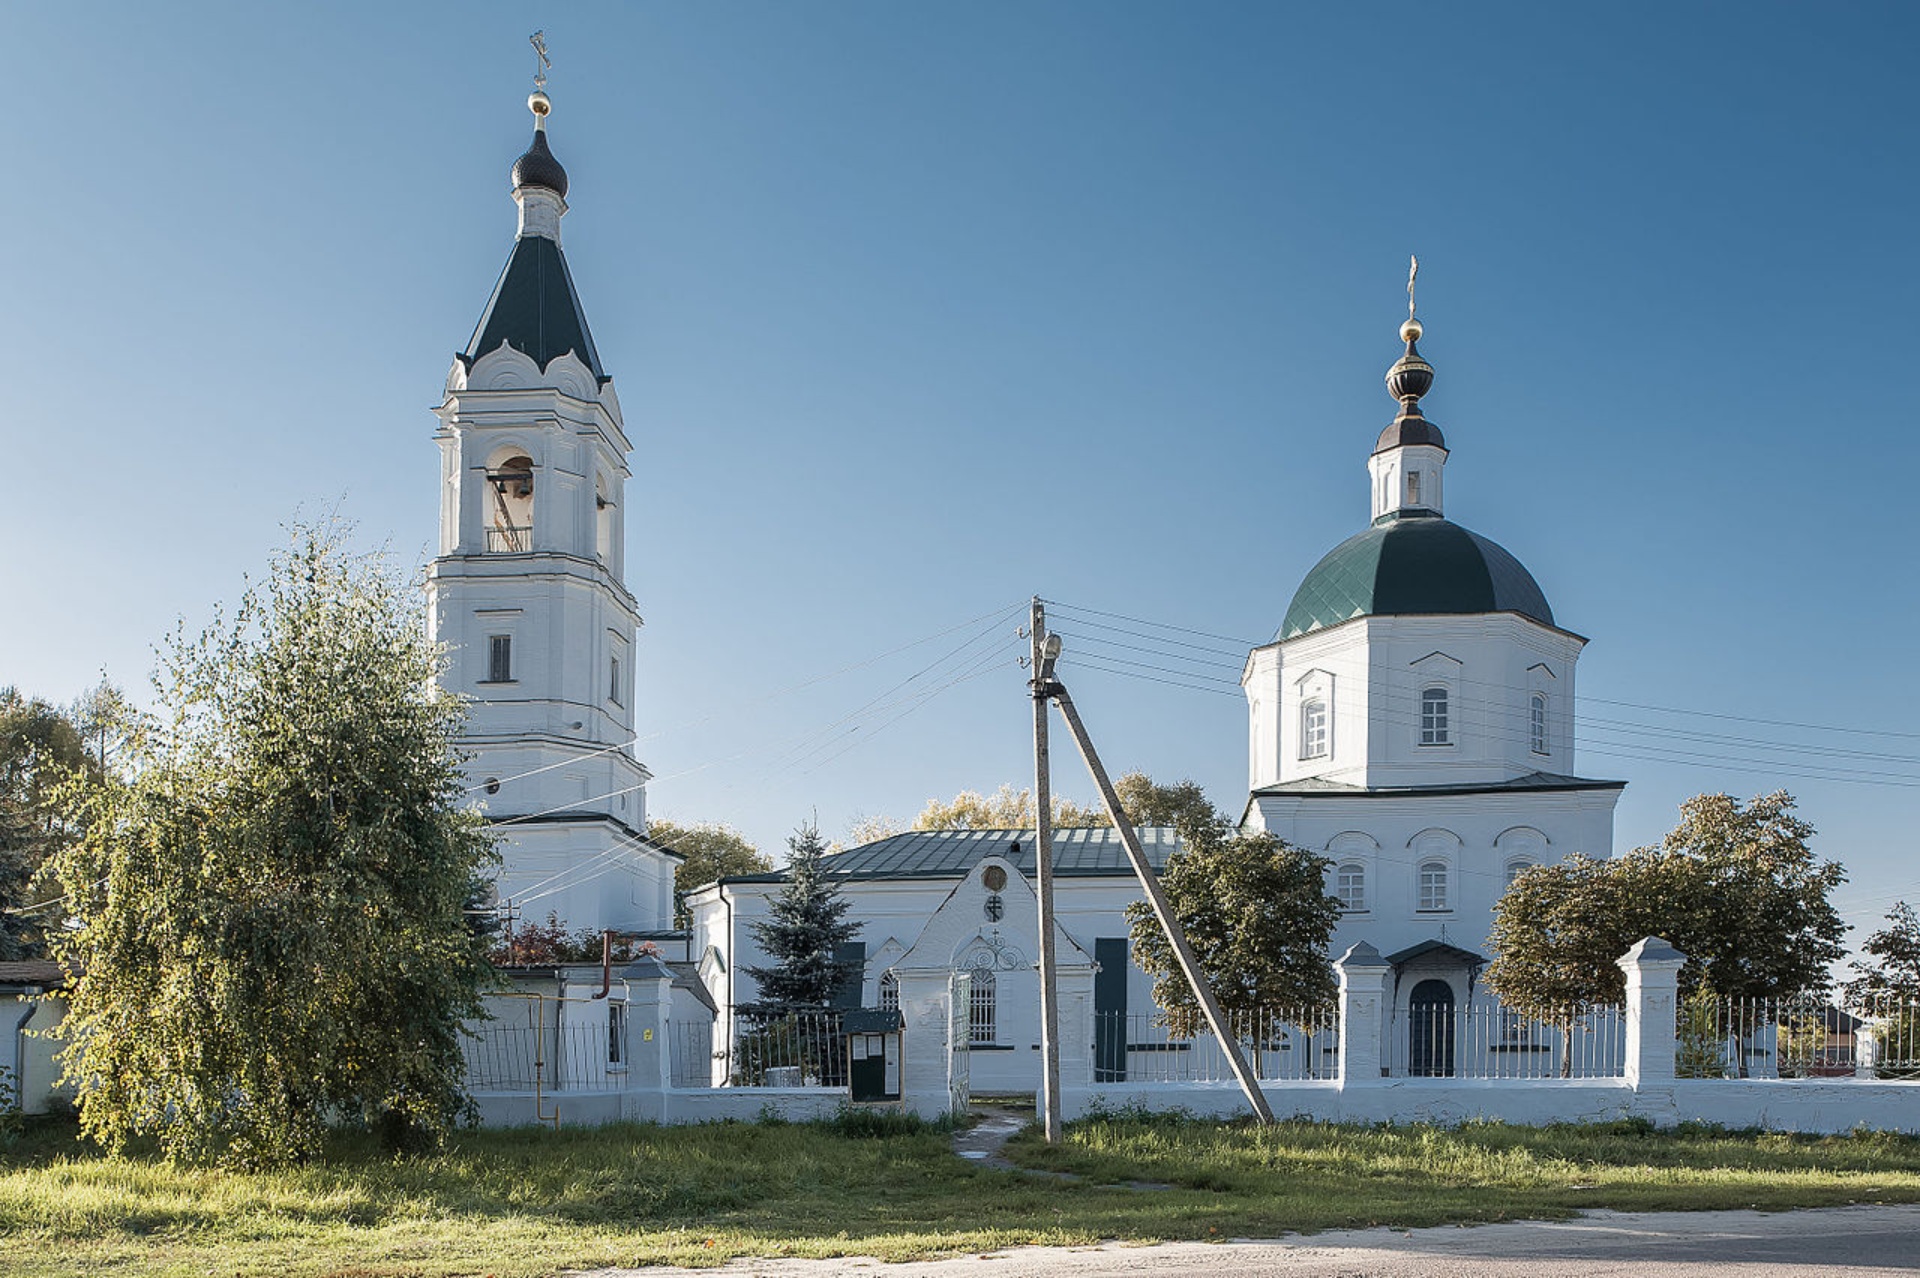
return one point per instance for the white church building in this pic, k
(1412, 721)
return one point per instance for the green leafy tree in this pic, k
(105, 720)
(1004, 809)
(1557, 937)
(871, 829)
(711, 851)
(1143, 800)
(268, 901)
(1755, 907)
(40, 750)
(1887, 991)
(1892, 971)
(1183, 804)
(803, 933)
(1256, 912)
(1734, 887)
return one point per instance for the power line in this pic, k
(1636, 705)
(1158, 625)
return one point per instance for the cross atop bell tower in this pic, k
(529, 592)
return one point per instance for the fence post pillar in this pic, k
(1076, 1033)
(1653, 982)
(1866, 1046)
(1363, 1001)
(649, 1005)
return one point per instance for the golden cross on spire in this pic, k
(1413, 272)
(541, 61)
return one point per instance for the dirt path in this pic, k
(995, 1126)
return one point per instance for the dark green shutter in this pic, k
(851, 958)
(1110, 1010)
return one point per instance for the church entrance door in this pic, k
(1430, 1030)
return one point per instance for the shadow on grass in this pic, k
(533, 1200)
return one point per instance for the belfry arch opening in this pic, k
(509, 517)
(602, 521)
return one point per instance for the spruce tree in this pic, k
(803, 935)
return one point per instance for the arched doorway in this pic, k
(1430, 1030)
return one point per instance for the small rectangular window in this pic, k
(616, 1035)
(499, 658)
(1413, 488)
(1537, 714)
(613, 683)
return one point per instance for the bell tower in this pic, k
(528, 591)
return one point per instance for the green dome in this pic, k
(1413, 564)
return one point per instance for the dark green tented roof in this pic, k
(1413, 564)
(535, 310)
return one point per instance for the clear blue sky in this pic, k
(918, 310)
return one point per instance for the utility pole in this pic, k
(1162, 910)
(1045, 649)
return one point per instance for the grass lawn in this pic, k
(538, 1201)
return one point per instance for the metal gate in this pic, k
(959, 1039)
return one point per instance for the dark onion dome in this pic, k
(1413, 564)
(1409, 430)
(538, 167)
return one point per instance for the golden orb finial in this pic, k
(538, 102)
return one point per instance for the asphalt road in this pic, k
(1799, 1244)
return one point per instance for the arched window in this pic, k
(889, 992)
(1434, 729)
(1433, 887)
(602, 520)
(1517, 867)
(1350, 885)
(1313, 729)
(982, 1008)
(510, 504)
(1537, 721)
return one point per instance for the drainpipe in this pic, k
(606, 963)
(20, 1045)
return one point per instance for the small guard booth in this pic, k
(873, 1054)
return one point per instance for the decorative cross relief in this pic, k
(992, 951)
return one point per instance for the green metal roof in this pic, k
(951, 854)
(535, 310)
(1411, 564)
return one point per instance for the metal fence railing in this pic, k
(507, 539)
(693, 1060)
(1134, 1047)
(553, 1045)
(797, 1049)
(1444, 1040)
(1798, 1036)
